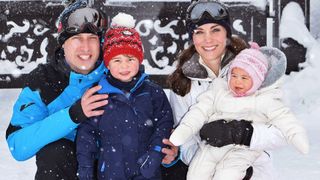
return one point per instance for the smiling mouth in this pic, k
(125, 73)
(84, 57)
(211, 48)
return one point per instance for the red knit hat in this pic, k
(122, 38)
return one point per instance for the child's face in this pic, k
(240, 81)
(124, 67)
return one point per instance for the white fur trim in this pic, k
(123, 20)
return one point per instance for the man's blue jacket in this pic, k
(41, 112)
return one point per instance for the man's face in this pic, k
(82, 51)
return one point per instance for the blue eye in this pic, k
(132, 59)
(216, 30)
(94, 37)
(116, 60)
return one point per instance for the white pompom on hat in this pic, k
(123, 20)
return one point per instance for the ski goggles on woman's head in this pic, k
(216, 10)
(83, 20)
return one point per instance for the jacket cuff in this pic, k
(76, 113)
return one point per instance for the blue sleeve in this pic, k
(87, 143)
(34, 127)
(164, 116)
(150, 161)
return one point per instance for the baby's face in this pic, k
(240, 81)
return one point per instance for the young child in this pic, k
(252, 93)
(127, 139)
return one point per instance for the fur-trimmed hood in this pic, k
(193, 69)
(277, 65)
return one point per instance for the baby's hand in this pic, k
(181, 135)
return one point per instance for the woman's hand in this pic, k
(221, 133)
(171, 152)
(90, 101)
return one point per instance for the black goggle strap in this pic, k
(215, 9)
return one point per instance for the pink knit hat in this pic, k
(254, 63)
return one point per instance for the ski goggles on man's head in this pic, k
(215, 9)
(83, 20)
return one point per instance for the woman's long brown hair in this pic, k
(179, 83)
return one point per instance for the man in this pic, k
(46, 113)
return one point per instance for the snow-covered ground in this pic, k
(302, 92)
(10, 168)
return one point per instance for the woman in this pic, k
(212, 48)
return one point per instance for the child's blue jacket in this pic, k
(133, 125)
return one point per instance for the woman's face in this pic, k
(210, 41)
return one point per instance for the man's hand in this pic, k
(90, 101)
(171, 152)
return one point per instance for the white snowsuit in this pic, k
(230, 162)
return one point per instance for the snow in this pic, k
(301, 94)
(10, 168)
(315, 25)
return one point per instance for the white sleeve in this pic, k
(191, 121)
(180, 105)
(194, 119)
(189, 149)
(266, 137)
(282, 118)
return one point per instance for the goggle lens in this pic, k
(216, 11)
(84, 19)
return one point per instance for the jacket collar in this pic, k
(93, 76)
(107, 88)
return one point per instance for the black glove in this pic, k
(76, 113)
(221, 133)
